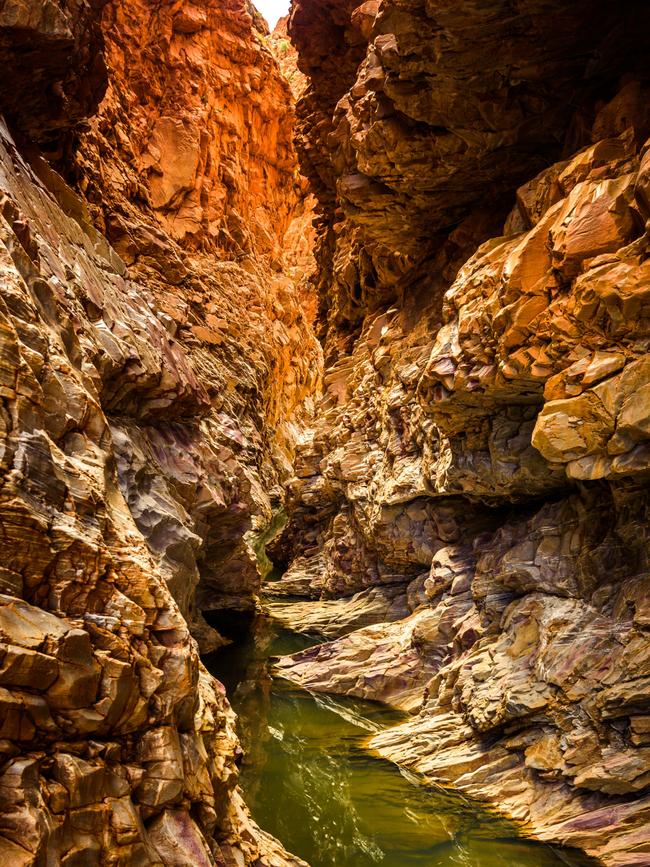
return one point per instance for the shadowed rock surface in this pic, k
(483, 439)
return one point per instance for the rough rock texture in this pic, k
(286, 55)
(155, 363)
(334, 617)
(55, 72)
(484, 437)
(193, 144)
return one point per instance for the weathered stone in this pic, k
(178, 841)
(469, 504)
(334, 617)
(484, 412)
(156, 363)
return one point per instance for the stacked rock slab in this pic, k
(155, 363)
(483, 444)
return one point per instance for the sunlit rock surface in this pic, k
(468, 513)
(156, 361)
(190, 170)
(483, 440)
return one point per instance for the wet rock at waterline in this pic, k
(310, 778)
(466, 504)
(335, 617)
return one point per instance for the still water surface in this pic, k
(308, 780)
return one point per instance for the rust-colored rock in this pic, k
(155, 366)
(190, 170)
(468, 513)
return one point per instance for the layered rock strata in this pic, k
(482, 447)
(155, 364)
(190, 171)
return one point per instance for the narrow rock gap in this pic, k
(324, 360)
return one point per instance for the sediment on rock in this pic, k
(483, 437)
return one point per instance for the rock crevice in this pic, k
(467, 500)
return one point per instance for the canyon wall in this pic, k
(156, 363)
(469, 515)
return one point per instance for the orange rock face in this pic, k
(287, 57)
(156, 364)
(197, 125)
(189, 168)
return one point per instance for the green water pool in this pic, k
(309, 781)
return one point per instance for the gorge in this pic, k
(339, 332)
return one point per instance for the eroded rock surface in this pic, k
(483, 440)
(469, 505)
(193, 178)
(155, 365)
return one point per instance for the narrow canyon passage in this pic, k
(310, 780)
(324, 434)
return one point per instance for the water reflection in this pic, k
(310, 783)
